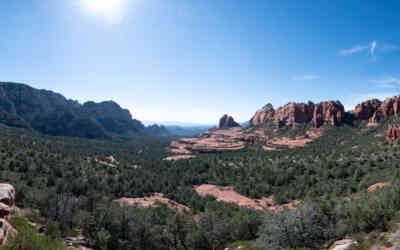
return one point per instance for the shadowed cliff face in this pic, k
(227, 121)
(51, 113)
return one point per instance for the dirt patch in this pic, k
(178, 157)
(229, 195)
(377, 185)
(269, 148)
(151, 201)
(299, 141)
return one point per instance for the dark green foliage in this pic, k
(304, 227)
(64, 179)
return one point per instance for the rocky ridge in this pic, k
(299, 113)
(51, 113)
(374, 110)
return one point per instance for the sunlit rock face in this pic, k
(318, 114)
(263, 115)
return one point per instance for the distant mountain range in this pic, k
(51, 113)
(180, 128)
(176, 123)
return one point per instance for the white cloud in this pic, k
(355, 49)
(373, 47)
(359, 48)
(305, 78)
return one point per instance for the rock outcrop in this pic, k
(7, 198)
(331, 112)
(392, 133)
(227, 121)
(7, 194)
(346, 244)
(263, 115)
(374, 110)
(293, 113)
(318, 114)
(367, 109)
(390, 106)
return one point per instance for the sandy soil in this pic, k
(372, 188)
(227, 194)
(178, 157)
(151, 201)
(299, 141)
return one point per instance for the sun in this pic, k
(112, 10)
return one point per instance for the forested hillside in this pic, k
(72, 182)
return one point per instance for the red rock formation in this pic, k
(227, 122)
(263, 115)
(293, 113)
(367, 110)
(392, 133)
(328, 112)
(390, 106)
(318, 114)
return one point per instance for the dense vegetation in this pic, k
(66, 186)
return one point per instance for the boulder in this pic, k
(263, 115)
(4, 210)
(7, 194)
(227, 121)
(343, 244)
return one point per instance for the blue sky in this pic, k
(193, 61)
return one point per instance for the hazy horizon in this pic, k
(193, 61)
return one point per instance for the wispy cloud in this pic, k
(355, 49)
(305, 78)
(388, 82)
(359, 48)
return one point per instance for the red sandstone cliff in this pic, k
(392, 133)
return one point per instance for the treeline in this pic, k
(64, 183)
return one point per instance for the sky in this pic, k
(193, 61)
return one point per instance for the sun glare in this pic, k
(112, 10)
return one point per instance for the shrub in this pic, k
(29, 239)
